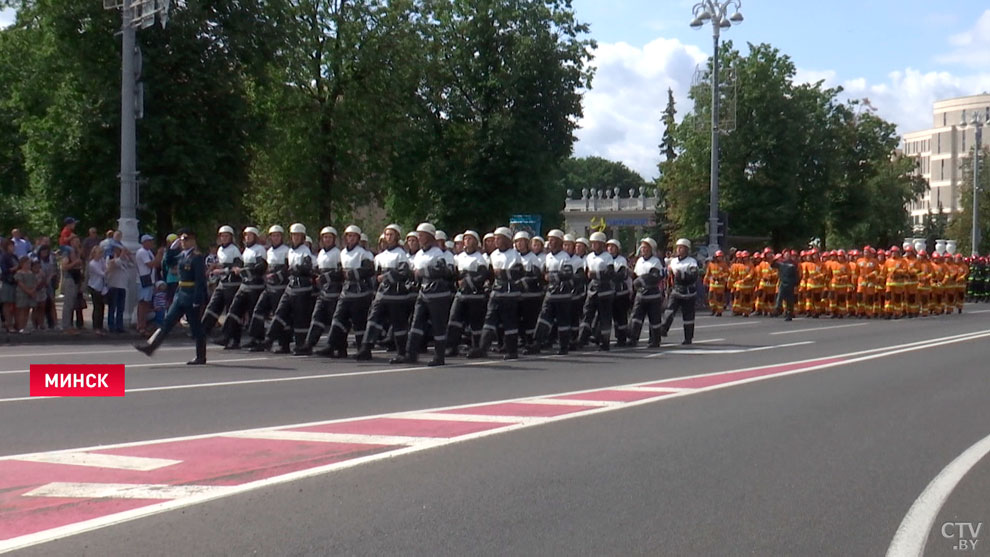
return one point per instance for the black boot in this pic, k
(262, 346)
(302, 348)
(325, 351)
(511, 347)
(200, 353)
(688, 333)
(564, 337)
(254, 342)
(408, 354)
(604, 342)
(481, 350)
(620, 338)
(153, 343)
(533, 349)
(440, 348)
(364, 354)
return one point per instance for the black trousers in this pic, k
(319, 322)
(555, 311)
(647, 305)
(292, 316)
(388, 311)
(267, 302)
(686, 307)
(529, 313)
(351, 312)
(433, 309)
(502, 311)
(241, 308)
(220, 301)
(597, 304)
(620, 315)
(469, 310)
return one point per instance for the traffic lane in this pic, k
(51, 424)
(963, 523)
(815, 463)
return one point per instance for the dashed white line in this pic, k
(79, 490)
(795, 331)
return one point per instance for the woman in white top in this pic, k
(120, 263)
(96, 283)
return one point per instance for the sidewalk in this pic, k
(86, 335)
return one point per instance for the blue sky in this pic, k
(902, 55)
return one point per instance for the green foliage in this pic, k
(798, 165)
(960, 226)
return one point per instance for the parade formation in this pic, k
(524, 293)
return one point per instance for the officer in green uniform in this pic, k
(190, 297)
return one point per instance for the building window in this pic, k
(945, 118)
(939, 143)
(964, 141)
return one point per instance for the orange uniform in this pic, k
(716, 280)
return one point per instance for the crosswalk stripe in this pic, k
(96, 460)
(78, 490)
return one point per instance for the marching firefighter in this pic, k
(189, 298)
(896, 272)
(252, 284)
(508, 269)
(743, 279)
(292, 315)
(470, 304)
(331, 281)
(598, 301)
(531, 298)
(867, 277)
(621, 301)
(580, 286)
(389, 308)
(648, 281)
(840, 283)
(433, 299)
(357, 266)
(276, 280)
(228, 258)
(716, 280)
(556, 310)
(683, 277)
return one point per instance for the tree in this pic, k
(960, 226)
(668, 145)
(595, 173)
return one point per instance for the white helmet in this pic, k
(473, 234)
(521, 235)
(556, 233)
(364, 237)
(297, 228)
(459, 238)
(441, 235)
(489, 235)
(396, 228)
(328, 230)
(449, 244)
(252, 230)
(598, 237)
(684, 242)
(411, 234)
(539, 239)
(503, 231)
(427, 228)
(584, 241)
(569, 238)
(276, 228)
(309, 240)
(352, 229)
(651, 242)
(226, 229)
(614, 242)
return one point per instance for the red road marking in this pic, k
(613, 395)
(722, 378)
(520, 409)
(405, 427)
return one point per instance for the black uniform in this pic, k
(390, 306)
(432, 304)
(557, 303)
(684, 273)
(470, 302)
(357, 266)
(508, 268)
(295, 308)
(276, 280)
(648, 284)
(252, 275)
(331, 283)
(228, 258)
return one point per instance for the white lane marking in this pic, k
(731, 350)
(571, 402)
(656, 389)
(912, 534)
(979, 311)
(109, 520)
(79, 490)
(159, 364)
(138, 463)
(98, 352)
(795, 331)
(323, 437)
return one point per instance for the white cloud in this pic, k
(7, 17)
(622, 110)
(972, 47)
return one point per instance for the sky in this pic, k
(902, 55)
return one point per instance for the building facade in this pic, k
(941, 152)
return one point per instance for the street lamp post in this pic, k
(718, 13)
(977, 122)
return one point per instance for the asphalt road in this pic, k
(821, 462)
